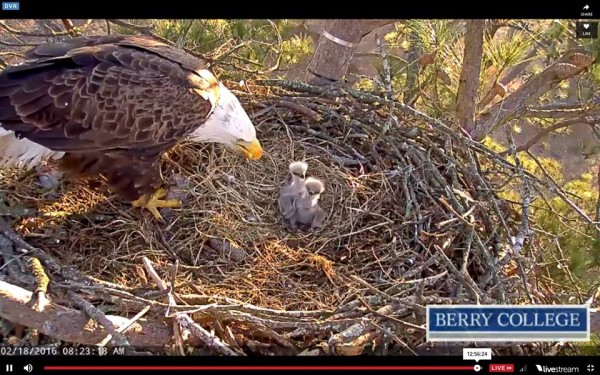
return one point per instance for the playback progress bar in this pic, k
(475, 368)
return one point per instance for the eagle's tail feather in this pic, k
(22, 153)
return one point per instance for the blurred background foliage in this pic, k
(240, 47)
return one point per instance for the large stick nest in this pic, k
(413, 219)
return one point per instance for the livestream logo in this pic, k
(508, 323)
(557, 369)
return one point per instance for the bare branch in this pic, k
(523, 232)
(99, 317)
(387, 79)
(45, 35)
(558, 191)
(41, 283)
(565, 110)
(185, 321)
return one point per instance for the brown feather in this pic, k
(114, 104)
(128, 177)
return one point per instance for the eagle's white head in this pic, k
(230, 125)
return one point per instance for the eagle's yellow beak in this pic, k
(253, 150)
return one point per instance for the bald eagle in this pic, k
(111, 106)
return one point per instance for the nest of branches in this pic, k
(412, 219)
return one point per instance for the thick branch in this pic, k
(469, 76)
(565, 110)
(569, 65)
(574, 105)
(75, 326)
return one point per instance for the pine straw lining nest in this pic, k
(227, 197)
(407, 213)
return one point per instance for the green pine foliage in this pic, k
(240, 47)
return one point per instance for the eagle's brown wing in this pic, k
(113, 104)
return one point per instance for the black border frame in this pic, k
(353, 364)
(305, 9)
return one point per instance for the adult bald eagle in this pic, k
(111, 106)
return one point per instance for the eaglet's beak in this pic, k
(252, 150)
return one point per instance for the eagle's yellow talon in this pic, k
(153, 202)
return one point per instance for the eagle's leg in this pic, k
(152, 203)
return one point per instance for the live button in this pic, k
(503, 367)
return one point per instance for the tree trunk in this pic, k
(335, 49)
(468, 86)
